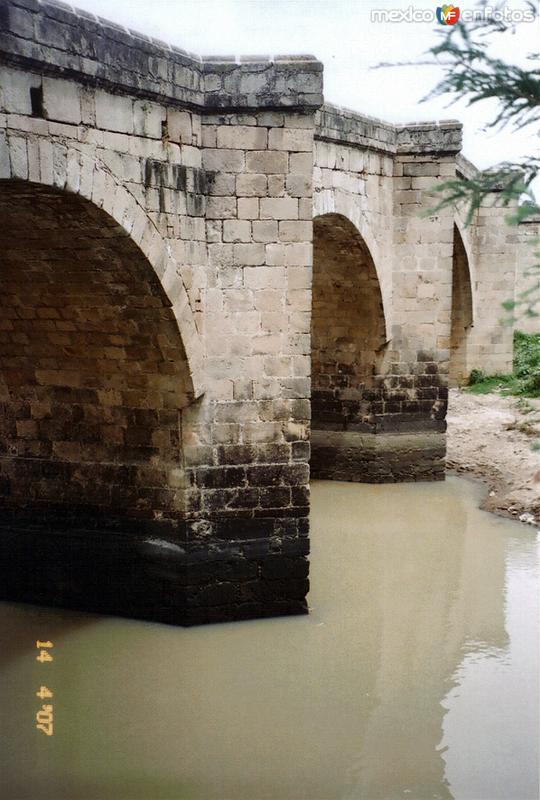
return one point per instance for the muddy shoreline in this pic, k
(490, 439)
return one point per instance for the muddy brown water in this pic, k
(415, 675)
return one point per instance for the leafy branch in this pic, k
(472, 74)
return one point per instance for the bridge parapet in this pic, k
(63, 40)
(343, 126)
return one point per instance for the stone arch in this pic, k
(468, 240)
(462, 312)
(344, 205)
(94, 369)
(55, 165)
(348, 328)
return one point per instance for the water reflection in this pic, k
(415, 676)
(491, 730)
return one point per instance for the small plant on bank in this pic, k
(476, 376)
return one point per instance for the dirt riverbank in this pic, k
(490, 437)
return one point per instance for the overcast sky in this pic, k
(341, 34)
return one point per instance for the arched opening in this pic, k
(348, 329)
(93, 373)
(461, 314)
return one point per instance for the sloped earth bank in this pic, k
(491, 437)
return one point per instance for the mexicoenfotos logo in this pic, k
(450, 14)
(447, 15)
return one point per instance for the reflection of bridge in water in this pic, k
(431, 585)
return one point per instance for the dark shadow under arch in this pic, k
(348, 328)
(461, 314)
(93, 373)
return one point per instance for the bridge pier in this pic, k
(381, 298)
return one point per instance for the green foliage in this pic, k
(525, 378)
(476, 376)
(489, 384)
(509, 180)
(476, 75)
(473, 74)
(527, 355)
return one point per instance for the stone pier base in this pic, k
(377, 458)
(150, 574)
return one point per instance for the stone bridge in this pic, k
(204, 270)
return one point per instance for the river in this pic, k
(415, 675)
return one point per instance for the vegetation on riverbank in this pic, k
(524, 381)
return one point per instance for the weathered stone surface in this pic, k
(77, 45)
(377, 458)
(197, 266)
(147, 575)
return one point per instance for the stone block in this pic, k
(223, 160)
(276, 185)
(299, 185)
(265, 231)
(251, 185)
(148, 119)
(295, 231)
(248, 208)
(114, 112)
(236, 231)
(279, 208)
(241, 137)
(248, 254)
(221, 208)
(15, 88)
(62, 100)
(291, 139)
(179, 124)
(266, 162)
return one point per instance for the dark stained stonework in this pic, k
(132, 569)
(377, 458)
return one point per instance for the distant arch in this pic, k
(462, 312)
(468, 240)
(341, 204)
(348, 327)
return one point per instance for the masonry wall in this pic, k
(495, 263)
(489, 343)
(249, 442)
(527, 274)
(94, 371)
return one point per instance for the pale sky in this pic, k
(341, 34)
